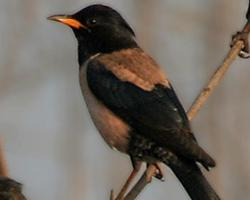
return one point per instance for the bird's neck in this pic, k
(88, 48)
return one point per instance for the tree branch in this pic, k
(198, 103)
(239, 44)
(215, 80)
(3, 163)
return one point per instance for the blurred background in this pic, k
(50, 142)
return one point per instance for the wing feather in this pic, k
(154, 112)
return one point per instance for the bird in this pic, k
(132, 102)
(10, 189)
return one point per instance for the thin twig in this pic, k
(198, 103)
(139, 185)
(217, 77)
(112, 195)
(3, 163)
(215, 80)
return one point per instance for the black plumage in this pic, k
(131, 101)
(10, 189)
(155, 114)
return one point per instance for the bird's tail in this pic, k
(192, 179)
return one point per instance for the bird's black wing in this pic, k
(156, 113)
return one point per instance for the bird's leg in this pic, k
(158, 173)
(243, 36)
(136, 168)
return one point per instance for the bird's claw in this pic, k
(243, 36)
(158, 173)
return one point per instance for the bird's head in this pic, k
(99, 29)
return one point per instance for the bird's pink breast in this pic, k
(112, 128)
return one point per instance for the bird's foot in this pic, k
(159, 172)
(242, 36)
(154, 170)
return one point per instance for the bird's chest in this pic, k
(112, 128)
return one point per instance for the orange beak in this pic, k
(67, 20)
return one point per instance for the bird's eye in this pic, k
(91, 21)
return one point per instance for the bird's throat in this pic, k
(88, 47)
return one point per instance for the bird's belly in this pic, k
(112, 128)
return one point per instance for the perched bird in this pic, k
(10, 189)
(131, 101)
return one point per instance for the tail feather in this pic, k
(193, 180)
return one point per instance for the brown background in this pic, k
(51, 144)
